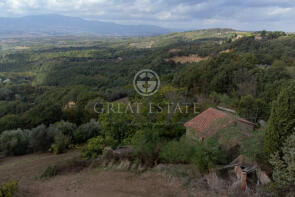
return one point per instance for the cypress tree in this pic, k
(281, 123)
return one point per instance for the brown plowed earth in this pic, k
(89, 182)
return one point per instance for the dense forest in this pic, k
(48, 93)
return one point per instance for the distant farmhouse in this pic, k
(212, 120)
(258, 37)
(7, 81)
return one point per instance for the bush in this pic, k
(149, 148)
(61, 143)
(252, 147)
(62, 133)
(111, 142)
(87, 131)
(147, 145)
(8, 189)
(66, 128)
(94, 147)
(14, 142)
(58, 137)
(49, 172)
(177, 151)
(208, 154)
(117, 125)
(170, 131)
(40, 138)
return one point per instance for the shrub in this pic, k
(208, 154)
(61, 143)
(111, 142)
(252, 108)
(40, 138)
(225, 100)
(284, 166)
(170, 131)
(66, 128)
(49, 172)
(177, 151)
(62, 133)
(87, 131)
(14, 142)
(94, 147)
(252, 147)
(117, 125)
(8, 189)
(147, 145)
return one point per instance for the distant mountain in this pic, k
(39, 25)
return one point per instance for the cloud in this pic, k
(184, 14)
(279, 10)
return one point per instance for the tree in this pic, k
(252, 147)
(146, 145)
(281, 123)
(284, 167)
(208, 154)
(66, 128)
(252, 108)
(44, 113)
(40, 138)
(87, 131)
(119, 126)
(263, 33)
(14, 142)
(10, 121)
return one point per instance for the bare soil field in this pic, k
(106, 183)
(174, 50)
(226, 51)
(28, 168)
(142, 45)
(88, 182)
(187, 59)
(21, 47)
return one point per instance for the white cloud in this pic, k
(165, 15)
(277, 10)
(250, 14)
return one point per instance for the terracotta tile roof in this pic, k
(204, 123)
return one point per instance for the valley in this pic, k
(231, 92)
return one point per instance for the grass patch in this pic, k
(51, 171)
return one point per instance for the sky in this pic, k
(176, 14)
